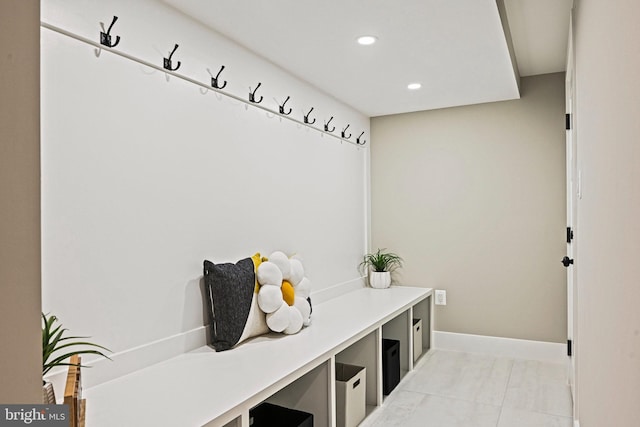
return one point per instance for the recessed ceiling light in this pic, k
(414, 86)
(367, 40)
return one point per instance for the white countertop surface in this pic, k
(200, 386)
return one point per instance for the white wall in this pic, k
(607, 60)
(473, 198)
(145, 176)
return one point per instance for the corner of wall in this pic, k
(507, 35)
(20, 328)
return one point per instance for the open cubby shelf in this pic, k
(205, 388)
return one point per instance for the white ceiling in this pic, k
(456, 49)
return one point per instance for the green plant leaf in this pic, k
(53, 341)
(380, 261)
(59, 361)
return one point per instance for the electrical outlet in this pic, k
(441, 297)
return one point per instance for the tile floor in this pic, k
(453, 389)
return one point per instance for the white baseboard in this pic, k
(131, 360)
(503, 347)
(576, 423)
(326, 294)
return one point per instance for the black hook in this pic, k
(344, 135)
(282, 107)
(252, 95)
(358, 139)
(306, 118)
(105, 38)
(214, 80)
(167, 61)
(326, 126)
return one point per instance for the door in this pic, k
(573, 193)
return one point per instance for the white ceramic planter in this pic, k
(379, 279)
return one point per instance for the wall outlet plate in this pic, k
(441, 297)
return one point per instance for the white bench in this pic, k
(203, 387)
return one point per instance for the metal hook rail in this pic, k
(161, 68)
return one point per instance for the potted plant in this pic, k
(379, 265)
(54, 341)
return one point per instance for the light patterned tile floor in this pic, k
(454, 389)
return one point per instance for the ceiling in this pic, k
(456, 49)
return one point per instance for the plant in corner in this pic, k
(379, 265)
(54, 341)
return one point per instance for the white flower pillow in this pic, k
(284, 293)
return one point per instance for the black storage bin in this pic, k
(269, 415)
(390, 365)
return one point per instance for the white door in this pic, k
(573, 192)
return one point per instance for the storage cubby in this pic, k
(399, 328)
(422, 311)
(309, 393)
(364, 352)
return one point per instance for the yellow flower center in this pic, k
(288, 293)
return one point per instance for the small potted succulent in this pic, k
(54, 341)
(379, 266)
